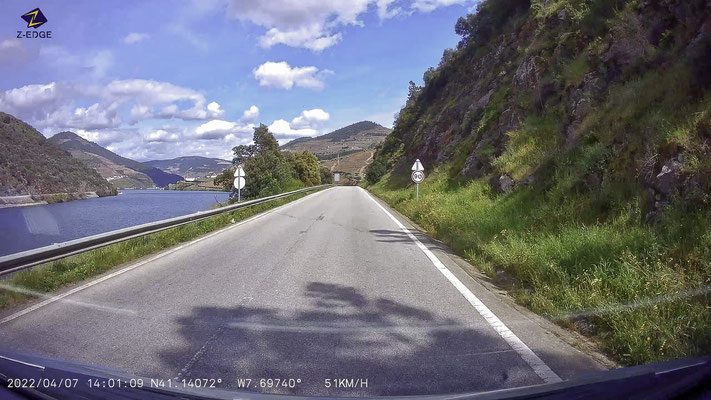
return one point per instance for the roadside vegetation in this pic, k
(49, 277)
(271, 171)
(568, 147)
(641, 291)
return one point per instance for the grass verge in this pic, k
(48, 277)
(641, 291)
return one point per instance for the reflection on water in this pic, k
(24, 228)
(39, 221)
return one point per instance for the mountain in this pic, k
(364, 135)
(120, 171)
(31, 164)
(191, 166)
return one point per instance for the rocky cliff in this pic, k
(584, 96)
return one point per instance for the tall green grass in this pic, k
(641, 291)
(48, 277)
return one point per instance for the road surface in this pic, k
(326, 287)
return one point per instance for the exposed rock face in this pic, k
(550, 74)
(506, 183)
(669, 178)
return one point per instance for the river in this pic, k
(24, 228)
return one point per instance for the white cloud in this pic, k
(30, 96)
(150, 92)
(281, 129)
(307, 124)
(430, 5)
(299, 23)
(310, 119)
(384, 10)
(214, 127)
(220, 129)
(317, 24)
(96, 116)
(251, 114)
(161, 136)
(281, 75)
(106, 137)
(59, 105)
(134, 37)
(308, 37)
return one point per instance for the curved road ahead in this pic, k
(326, 287)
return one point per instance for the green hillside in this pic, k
(353, 129)
(363, 135)
(30, 164)
(568, 148)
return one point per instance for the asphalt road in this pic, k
(327, 287)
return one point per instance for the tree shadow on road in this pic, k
(338, 332)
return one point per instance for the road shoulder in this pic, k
(568, 353)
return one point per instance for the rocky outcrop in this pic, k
(571, 71)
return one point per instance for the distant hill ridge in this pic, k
(123, 172)
(31, 164)
(363, 135)
(191, 166)
(353, 129)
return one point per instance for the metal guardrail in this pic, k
(26, 259)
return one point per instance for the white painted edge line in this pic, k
(22, 362)
(141, 263)
(538, 366)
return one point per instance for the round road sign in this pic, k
(239, 183)
(418, 176)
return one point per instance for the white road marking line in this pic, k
(144, 262)
(22, 362)
(538, 366)
(96, 306)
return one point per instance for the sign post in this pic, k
(239, 181)
(418, 175)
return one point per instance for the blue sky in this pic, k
(160, 79)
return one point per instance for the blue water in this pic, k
(24, 228)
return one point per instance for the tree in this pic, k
(489, 20)
(307, 168)
(225, 179)
(269, 170)
(242, 153)
(264, 141)
(326, 175)
(413, 91)
(447, 56)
